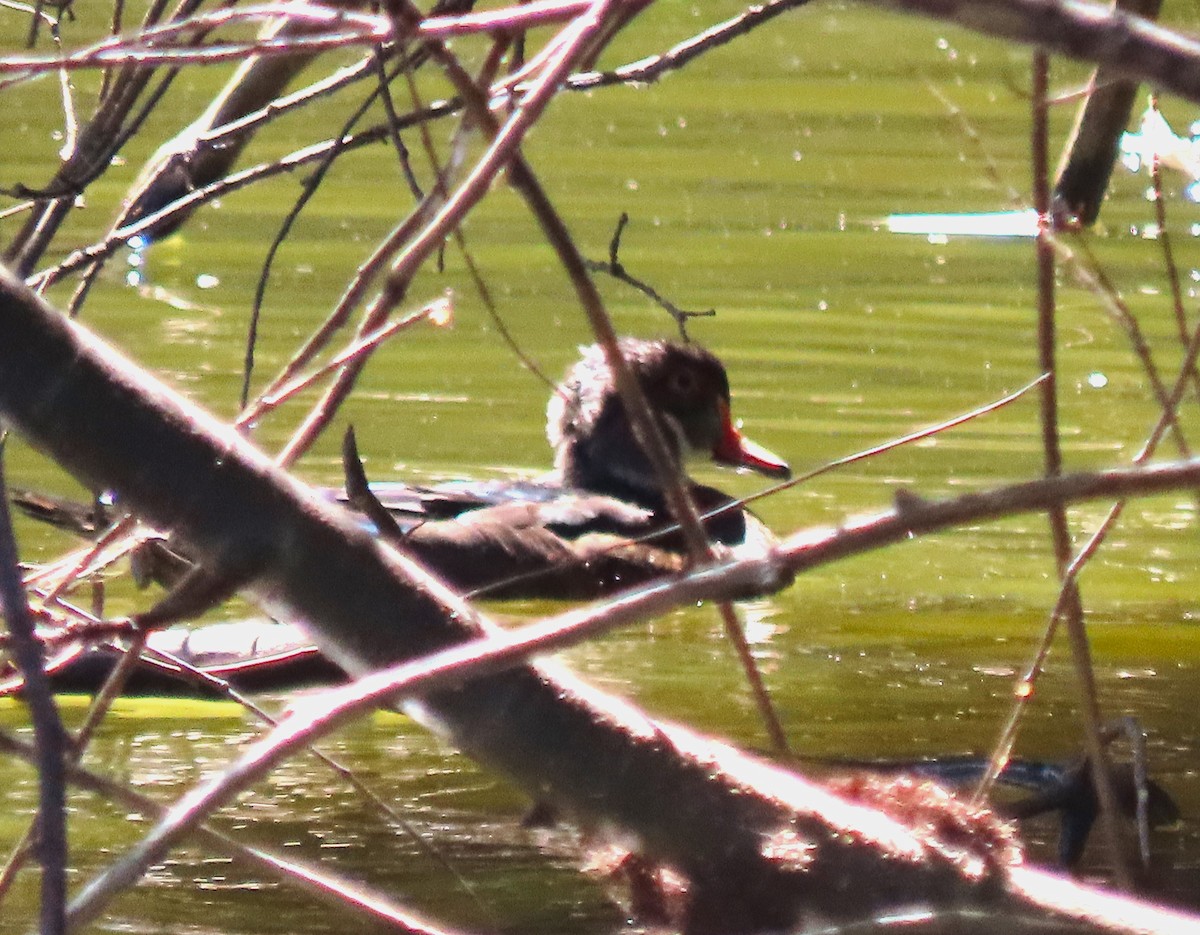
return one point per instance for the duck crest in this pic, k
(575, 404)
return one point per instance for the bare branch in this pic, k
(47, 728)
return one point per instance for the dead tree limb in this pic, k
(1130, 46)
(1089, 157)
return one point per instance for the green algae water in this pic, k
(757, 182)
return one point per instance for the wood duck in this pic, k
(598, 522)
(602, 480)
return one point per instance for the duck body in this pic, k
(566, 512)
(599, 520)
(534, 539)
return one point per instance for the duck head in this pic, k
(688, 392)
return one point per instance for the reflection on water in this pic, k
(939, 227)
(760, 174)
(1155, 142)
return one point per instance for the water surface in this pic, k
(757, 183)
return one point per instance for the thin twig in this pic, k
(100, 705)
(1060, 533)
(311, 183)
(1090, 273)
(47, 727)
(616, 269)
(486, 74)
(118, 238)
(373, 799)
(437, 312)
(1163, 236)
(343, 28)
(681, 54)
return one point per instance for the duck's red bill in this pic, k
(736, 450)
